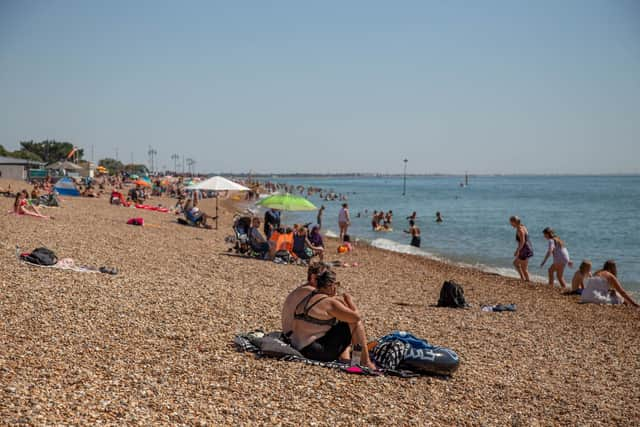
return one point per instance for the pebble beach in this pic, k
(152, 345)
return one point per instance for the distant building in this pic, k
(11, 168)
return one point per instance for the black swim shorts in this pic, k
(331, 345)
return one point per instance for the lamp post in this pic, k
(404, 180)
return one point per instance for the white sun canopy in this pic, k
(217, 183)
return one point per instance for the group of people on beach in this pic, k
(602, 286)
(298, 243)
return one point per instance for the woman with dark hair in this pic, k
(524, 251)
(604, 287)
(560, 254)
(325, 324)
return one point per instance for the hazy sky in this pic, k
(274, 86)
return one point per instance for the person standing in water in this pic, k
(319, 217)
(524, 251)
(560, 254)
(344, 220)
(438, 217)
(415, 233)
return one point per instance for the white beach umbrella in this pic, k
(217, 183)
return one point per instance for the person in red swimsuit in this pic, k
(21, 207)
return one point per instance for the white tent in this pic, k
(217, 183)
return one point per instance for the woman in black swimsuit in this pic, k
(325, 325)
(524, 251)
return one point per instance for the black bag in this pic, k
(41, 256)
(452, 295)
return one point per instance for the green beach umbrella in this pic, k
(287, 202)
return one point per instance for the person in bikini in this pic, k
(298, 294)
(326, 325)
(21, 207)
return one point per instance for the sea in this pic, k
(598, 217)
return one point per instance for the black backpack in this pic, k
(452, 295)
(41, 256)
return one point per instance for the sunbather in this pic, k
(21, 206)
(258, 242)
(303, 248)
(193, 213)
(325, 325)
(298, 294)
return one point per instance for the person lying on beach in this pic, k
(577, 282)
(22, 207)
(415, 233)
(89, 192)
(295, 296)
(326, 325)
(258, 242)
(7, 192)
(560, 254)
(604, 287)
(303, 248)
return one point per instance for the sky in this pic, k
(327, 87)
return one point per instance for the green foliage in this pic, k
(49, 151)
(136, 169)
(26, 155)
(4, 151)
(112, 165)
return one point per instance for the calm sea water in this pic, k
(598, 217)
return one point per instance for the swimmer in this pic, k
(415, 233)
(438, 217)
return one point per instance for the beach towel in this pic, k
(273, 346)
(63, 264)
(499, 308)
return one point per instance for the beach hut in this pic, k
(66, 187)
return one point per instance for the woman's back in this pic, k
(597, 291)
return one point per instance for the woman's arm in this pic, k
(341, 312)
(615, 284)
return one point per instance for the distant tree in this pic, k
(112, 165)
(26, 155)
(137, 169)
(49, 150)
(4, 151)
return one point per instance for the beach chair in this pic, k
(241, 225)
